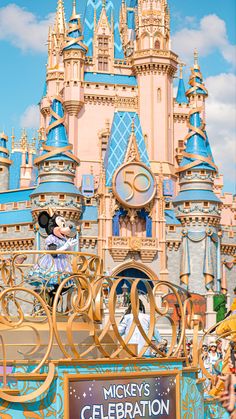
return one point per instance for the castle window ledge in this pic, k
(87, 242)
(120, 247)
(17, 244)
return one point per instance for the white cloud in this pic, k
(221, 121)
(23, 29)
(209, 37)
(30, 118)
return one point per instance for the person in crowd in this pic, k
(136, 338)
(226, 327)
(163, 346)
(189, 352)
(213, 355)
(206, 357)
(219, 349)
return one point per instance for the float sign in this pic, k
(151, 397)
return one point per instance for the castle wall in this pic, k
(4, 176)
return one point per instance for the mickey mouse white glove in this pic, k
(69, 245)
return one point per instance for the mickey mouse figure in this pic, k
(60, 237)
(52, 269)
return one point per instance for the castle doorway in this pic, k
(134, 271)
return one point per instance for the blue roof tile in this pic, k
(196, 195)
(171, 218)
(197, 145)
(112, 9)
(14, 178)
(57, 136)
(16, 217)
(74, 33)
(90, 213)
(110, 78)
(181, 97)
(118, 142)
(56, 187)
(19, 195)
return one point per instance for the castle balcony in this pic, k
(146, 247)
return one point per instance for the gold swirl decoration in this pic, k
(89, 326)
(13, 319)
(195, 85)
(198, 159)
(54, 151)
(70, 41)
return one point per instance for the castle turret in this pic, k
(197, 92)
(181, 92)
(57, 170)
(74, 59)
(56, 41)
(155, 65)
(198, 209)
(5, 162)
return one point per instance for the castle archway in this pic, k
(134, 270)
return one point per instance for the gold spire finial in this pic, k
(103, 4)
(60, 25)
(132, 126)
(196, 58)
(12, 139)
(23, 140)
(74, 14)
(181, 66)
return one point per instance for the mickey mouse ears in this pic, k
(43, 219)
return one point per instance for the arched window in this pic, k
(145, 42)
(157, 44)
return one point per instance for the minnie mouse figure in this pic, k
(52, 269)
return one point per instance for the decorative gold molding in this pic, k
(87, 242)
(17, 244)
(120, 247)
(119, 102)
(228, 248)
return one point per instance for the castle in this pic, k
(118, 155)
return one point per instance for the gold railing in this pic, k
(88, 328)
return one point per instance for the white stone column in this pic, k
(210, 313)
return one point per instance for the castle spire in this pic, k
(196, 66)
(196, 84)
(181, 94)
(198, 152)
(60, 24)
(56, 131)
(74, 34)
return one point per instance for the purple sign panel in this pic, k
(146, 397)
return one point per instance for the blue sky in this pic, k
(208, 25)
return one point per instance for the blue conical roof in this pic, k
(181, 96)
(196, 85)
(74, 36)
(57, 135)
(197, 145)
